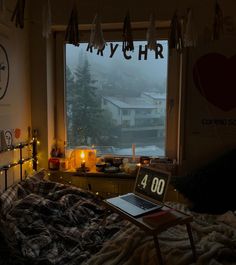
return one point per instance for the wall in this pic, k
(15, 106)
(210, 125)
(42, 83)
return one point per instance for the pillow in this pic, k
(20, 190)
(211, 188)
(38, 175)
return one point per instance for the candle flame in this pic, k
(82, 155)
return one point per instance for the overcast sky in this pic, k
(155, 69)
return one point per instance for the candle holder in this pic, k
(83, 164)
(82, 167)
(83, 159)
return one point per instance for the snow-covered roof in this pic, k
(130, 103)
(155, 95)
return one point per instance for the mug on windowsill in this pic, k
(54, 163)
(130, 168)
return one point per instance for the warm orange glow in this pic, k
(83, 163)
(82, 155)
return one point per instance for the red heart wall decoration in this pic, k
(215, 77)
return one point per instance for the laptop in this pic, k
(148, 195)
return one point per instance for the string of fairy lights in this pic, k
(20, 161)
(33, 159)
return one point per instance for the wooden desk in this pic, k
(162, 223)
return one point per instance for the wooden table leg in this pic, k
(190, 235)
(158, 250)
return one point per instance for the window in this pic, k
(125, 124)
(125, 112)
(173, 136)
(114, 101)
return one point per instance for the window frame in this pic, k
(174, 99)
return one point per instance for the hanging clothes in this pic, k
(190, 33)
(218, 23)
(47, 19)
(151, 33)
(2, 6)
(96, 37)
(128, 44)
(18, 13)
(175, 36)
(72, 30)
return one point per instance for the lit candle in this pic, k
(82, 156)
(133, 152)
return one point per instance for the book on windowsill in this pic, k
(162, 217)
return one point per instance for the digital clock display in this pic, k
(152, 183)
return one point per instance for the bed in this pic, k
(44, 222)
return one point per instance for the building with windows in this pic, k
(143, 116)
(158, 99)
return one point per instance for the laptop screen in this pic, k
(152, 183)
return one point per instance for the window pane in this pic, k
(113, 102)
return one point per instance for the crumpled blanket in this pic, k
(215, 242)
(51, 223)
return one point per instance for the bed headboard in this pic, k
(4, 168)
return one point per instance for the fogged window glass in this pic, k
(116, 100)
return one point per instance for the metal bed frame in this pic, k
(21, 160)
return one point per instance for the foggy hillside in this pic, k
(117, 75)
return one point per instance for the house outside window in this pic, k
(125, 112)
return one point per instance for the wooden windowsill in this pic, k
(93, 174)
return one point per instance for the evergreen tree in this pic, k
(87, 123)
(71, 98)
(87, 107)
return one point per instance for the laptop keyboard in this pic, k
(139, 202)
